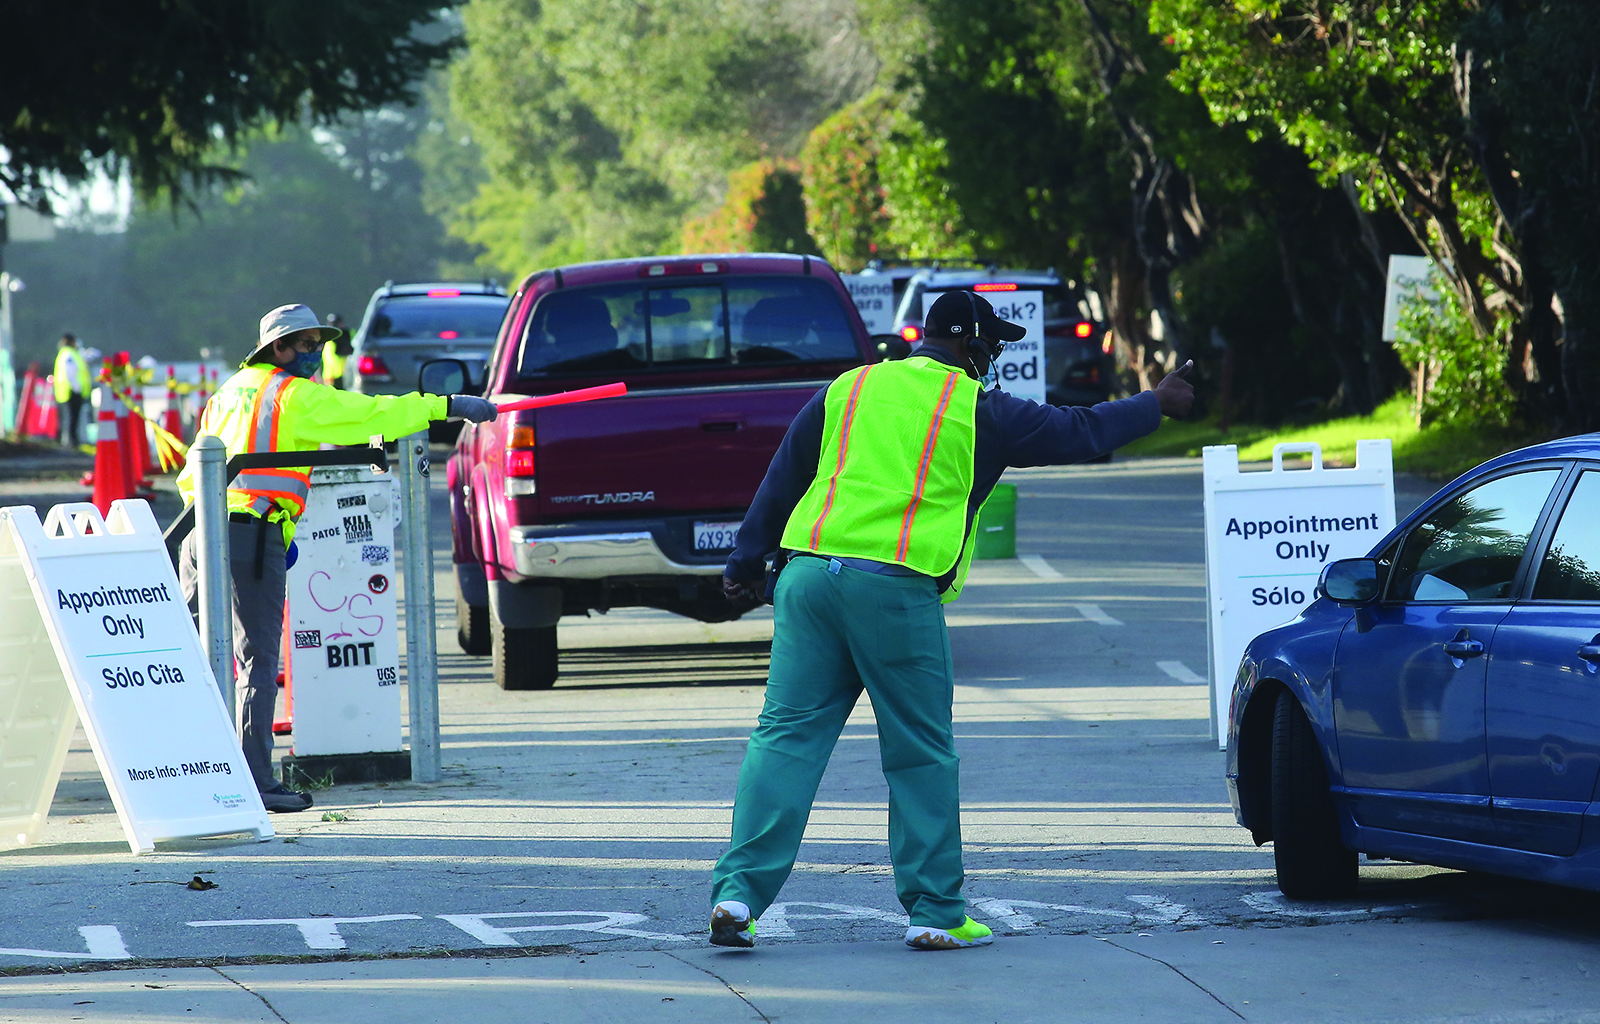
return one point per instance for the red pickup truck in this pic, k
(632, 501)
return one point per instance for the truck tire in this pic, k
(472, 628)
(1312, 861)
(524, 659)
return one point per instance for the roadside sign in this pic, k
(1268, 535)
(1409, 277)
(103, 604)
(874, 297)
(345, 636)
(1021, 365)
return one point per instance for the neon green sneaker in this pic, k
(971, 933)
(732, 925)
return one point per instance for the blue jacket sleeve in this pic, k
(1031, 434)
(791, 472)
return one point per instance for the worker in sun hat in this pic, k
(867, 512)
(271, 404)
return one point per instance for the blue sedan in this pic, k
(1439, 700)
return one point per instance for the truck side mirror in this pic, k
(891, 346)
(444, 377)
(1349, 581)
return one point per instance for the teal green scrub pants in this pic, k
(835, 634)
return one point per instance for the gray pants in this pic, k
(257, 630)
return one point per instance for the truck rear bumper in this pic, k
(629, 549)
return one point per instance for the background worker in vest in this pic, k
(271, 404)
(336, 352)
(72, 389)
(871, 500)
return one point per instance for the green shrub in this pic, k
(763, 211)
(1460, 370)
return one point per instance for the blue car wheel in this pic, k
(1311, 860)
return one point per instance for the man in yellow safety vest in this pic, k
(867, 511)
(336, 352)
(272, 405)
(72, 388)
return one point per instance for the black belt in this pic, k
(866, 565)
(242, 517)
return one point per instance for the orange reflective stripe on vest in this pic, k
(844, 448)
(922, 468)
(285, 487)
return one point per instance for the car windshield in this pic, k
(427, 317)
(731, 322)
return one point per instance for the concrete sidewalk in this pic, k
(1434, 971)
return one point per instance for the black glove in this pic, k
(743, 596)
(471, 407)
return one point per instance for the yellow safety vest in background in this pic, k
(332, 362)
(71, 373)
(264, 408)
(896, 470)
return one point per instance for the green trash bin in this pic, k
(997, 524)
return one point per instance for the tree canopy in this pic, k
(153, 86)
(1217, 179)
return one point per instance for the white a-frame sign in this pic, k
(91, 617)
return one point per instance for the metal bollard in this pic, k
(211, 557)
(422, 667)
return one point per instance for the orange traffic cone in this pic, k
(110, 478)
(173, 417)
(25, 406)
(283, 725)
(139, 445)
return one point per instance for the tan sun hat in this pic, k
(287, 320)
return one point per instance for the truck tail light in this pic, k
(519, 462)
(374, 367)
(911, 333)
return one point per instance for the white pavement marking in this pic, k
(1274, 903)
(1179, 671)
(1094, 613)
(477, 926)
(774, 924)
(1006, 912)
(103, 942)
(1159, 910)
(319, 932)
(1040, 567)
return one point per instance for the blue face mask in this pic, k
(306, 364)
(990, 380)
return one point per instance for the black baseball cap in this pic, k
(951, 316)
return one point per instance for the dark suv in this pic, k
(408, 324)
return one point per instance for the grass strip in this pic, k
(1437, 451)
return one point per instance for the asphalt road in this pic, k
(587, 817)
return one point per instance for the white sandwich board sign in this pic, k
(1268, 535)
(95, 622)
(1410, 277)
(345, 653)
(1021, 365)
(873, 295)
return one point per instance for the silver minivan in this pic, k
(406, 325)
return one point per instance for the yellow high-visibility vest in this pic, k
(71, 373)
(264, 408)
(896, 470)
